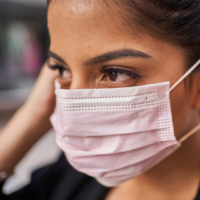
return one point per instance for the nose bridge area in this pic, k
(81, 81)
(78, 84)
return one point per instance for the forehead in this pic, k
(85, 29)
(83, 19)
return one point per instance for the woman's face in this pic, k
(96, 50)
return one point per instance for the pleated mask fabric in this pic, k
(115, 134)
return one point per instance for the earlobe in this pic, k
(196, 90)
(196, 104)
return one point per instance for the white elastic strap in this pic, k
(194, 130)
(185, 75)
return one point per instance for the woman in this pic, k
(119, 117)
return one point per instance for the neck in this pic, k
(176, 175)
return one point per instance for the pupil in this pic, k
(113, 75)
(61, 72)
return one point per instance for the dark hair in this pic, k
(176, 21)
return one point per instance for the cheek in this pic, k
(181, 110)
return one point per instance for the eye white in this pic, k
(122, 77)
(66, 74)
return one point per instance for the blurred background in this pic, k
(24, 42)
(23, 45)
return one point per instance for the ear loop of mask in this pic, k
(194, 130)
(185, 75)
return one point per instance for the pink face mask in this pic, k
(116, 134)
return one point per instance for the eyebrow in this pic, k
(108, 56)
(117, 55)
(53, 55)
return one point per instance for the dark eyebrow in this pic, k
(107, 56)
(53, 55)
(116, 55)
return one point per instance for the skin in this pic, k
(29, 123)
(80, 32)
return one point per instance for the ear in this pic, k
(196, 90)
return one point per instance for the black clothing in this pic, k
(60, 181)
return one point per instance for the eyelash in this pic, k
(129, 73)
(57, 67)
(105, 70)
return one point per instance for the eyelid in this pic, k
(122, 68)
(57, 66)
(52, 63)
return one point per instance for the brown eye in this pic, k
(118, 74)
(113, 74)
